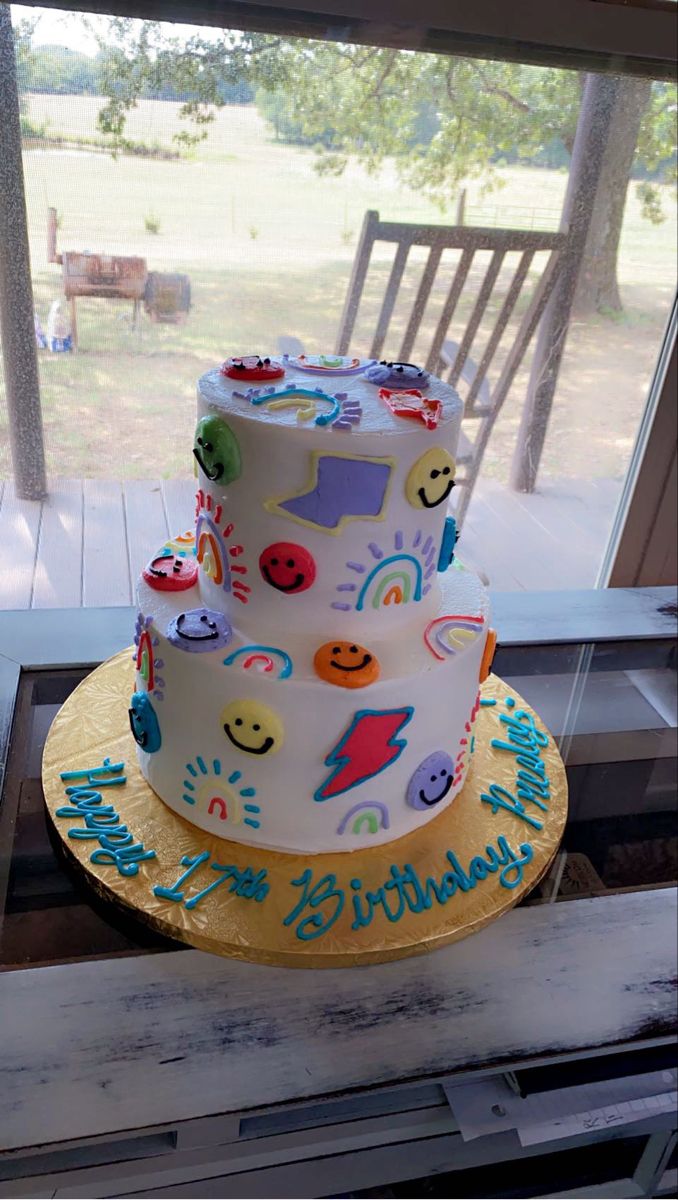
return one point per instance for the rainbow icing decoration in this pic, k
(372, 813)
(396, 578)
(216, 557)
(450, 634)
(261, 658)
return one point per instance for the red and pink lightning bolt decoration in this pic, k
(369, 745)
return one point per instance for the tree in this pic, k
(59, 70)
(442, 120)
(23, 31)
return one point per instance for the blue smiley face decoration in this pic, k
(431, 781)
(144, 723)
(199, 630)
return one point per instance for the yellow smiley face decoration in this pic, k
(431, 479)
(252, 727)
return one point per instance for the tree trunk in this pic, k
(598, 288)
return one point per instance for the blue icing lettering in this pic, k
(498, 797)
(244, 882)
(84, 802)
(125, 858)
(95, 831)
(526, 743)
(98, 775)
(521, 724)
(316, 923)
(101, 821)
(174, 892)
(403, 891)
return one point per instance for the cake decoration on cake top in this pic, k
(431, 781)
(199, 630)
(209, 788)
(146, 660)
(288, 567)
(373, 813)
(488, 654)
(169, 572)
(144, 723)
(397, 374)
(431, 479)
(307, 410)
(252, 367)
(344, 412)
(449, 635)
(368, 747)
(346, 664)
(327, 364)
(252, 727)
(342, 488)
(448, 543)
(215, 551)
(261, 658)
(215, 450)
(399, 576)
(410, 403)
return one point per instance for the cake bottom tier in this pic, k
(248, 743)
(478, 857)
(289, 762)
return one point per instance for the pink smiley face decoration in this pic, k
(171, 573)
(287, 567)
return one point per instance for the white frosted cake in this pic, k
(309, 655)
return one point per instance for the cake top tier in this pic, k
(359, 396)
(323, 490)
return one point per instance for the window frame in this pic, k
(591, 35)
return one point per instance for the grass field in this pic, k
(268, 246)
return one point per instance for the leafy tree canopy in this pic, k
(442, 120)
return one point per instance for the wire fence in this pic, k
(512, 216)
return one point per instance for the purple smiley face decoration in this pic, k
(431, 781)
(199, 630)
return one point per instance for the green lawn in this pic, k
(268, 246)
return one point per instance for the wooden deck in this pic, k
(85, 545)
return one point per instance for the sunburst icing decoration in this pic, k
(217, 550)
(467, 744)
(220, 795)
(388, 576)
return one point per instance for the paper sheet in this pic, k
(493, 1107)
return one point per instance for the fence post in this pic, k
(17, 329)
(461, 208)
(593, 128)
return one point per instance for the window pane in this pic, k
(197, 239)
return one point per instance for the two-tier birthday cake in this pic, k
(323, 773)
(308, 661)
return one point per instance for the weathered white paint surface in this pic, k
(93, 1048)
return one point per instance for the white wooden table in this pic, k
(181, 1074)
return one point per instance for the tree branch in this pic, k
(375, 92)
(504, 94)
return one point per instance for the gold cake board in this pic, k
(93, 725)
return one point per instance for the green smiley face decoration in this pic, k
(216, 450)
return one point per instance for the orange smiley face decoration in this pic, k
(346, 665)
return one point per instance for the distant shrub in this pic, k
(347, 236)
(152, 223)
(253, 232)
(31, 129)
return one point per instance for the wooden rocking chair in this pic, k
(482, 400)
